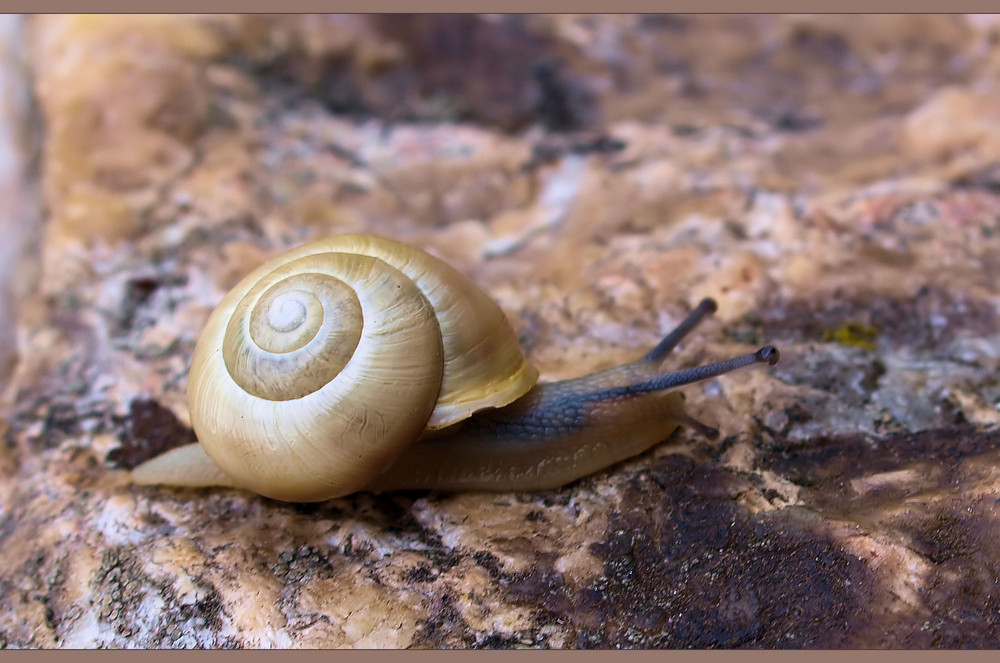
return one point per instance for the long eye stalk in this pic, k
(766, 355)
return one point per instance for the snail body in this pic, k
(359, 363)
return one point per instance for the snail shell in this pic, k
(319, 368)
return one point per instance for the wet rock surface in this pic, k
(831, 181)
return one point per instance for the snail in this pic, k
(358, 363)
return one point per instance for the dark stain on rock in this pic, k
(60, 399)
(488, 561)
(542, 587)
(926, 322)
(8, 525)
(420, 573)
(149, 430)
(790, 119)
(826, 464)
(870, 380)
(497, 641)
(487, 68)
(553, 148)
(443, 559)
(557, 499)
(963, 595)
(389, 512)
(675, 23)
(987, 178)
(154, 521)
(558, 104)
(395, 515)
(359, 551)
(951, 532)
(536, 516)
(61, 421)
(341, 88)
(794, 414)
(944, 536)
(61, 417)
(826, 47)
(443, 625)
(453, 67)
(138, 295)
(290, 76)
(685, 567)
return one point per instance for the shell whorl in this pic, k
(319, 368)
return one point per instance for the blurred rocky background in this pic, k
(834, 181)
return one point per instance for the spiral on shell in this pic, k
(320, 367)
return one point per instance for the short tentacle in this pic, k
(705, 308)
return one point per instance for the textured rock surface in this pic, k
(19, 133)
(832, 181)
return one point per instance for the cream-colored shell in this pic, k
(433, 348)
